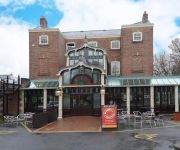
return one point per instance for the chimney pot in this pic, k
(43, 22)
(145, 17)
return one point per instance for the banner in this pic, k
(109, 116)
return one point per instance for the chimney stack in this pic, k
(43, 22)
(145, 17)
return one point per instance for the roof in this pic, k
(42, 83)
(113, 81)
(92, 34)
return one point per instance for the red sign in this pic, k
(109, 116)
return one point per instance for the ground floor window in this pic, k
(140, 98)
(116, 96)
(52, 100)
(164, 98)
(33, 100)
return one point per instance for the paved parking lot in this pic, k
(152, 139)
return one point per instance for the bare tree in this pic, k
(175, 56)
(163, 65)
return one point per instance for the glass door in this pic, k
(81, 104)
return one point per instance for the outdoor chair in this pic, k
(137, 113)
(149, 117)
(137, 118)
(21, 118)
(159, 120)
(10, 121)
(121, 119)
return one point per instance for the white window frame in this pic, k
(94, 43)
(68, 47)
(135, 36)
(40, 39)
(119, 67)
(115, 41)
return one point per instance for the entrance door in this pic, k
(81, 104)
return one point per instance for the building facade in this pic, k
(88, 69)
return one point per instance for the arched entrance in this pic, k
(81, 88)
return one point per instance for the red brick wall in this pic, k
(143, 66)
(46, 60)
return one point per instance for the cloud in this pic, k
(110, 14)
(14, 47)
(82, 15)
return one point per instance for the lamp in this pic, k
(102, 90)
(59, 92)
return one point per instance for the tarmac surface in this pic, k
(138, 139)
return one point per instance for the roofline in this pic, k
(44, 30)
(137, 25)
(145, 77)
(91, 37)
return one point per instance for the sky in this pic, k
(18, 16)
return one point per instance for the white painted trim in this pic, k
(72, 47)
(43, 36)
(118, 41)
(60, 115)
(134, 40)
(118, 65)
(176, 99)
(152, 98)
(45, 99)
(128, 100)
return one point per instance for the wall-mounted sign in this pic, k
(109, 116)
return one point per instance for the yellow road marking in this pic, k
(145, 136)
(28, 129)
(7, 132)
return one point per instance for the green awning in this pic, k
(43, 83)
(114, 81)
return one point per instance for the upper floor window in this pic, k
(70, 45)
(137, 36)
(115, 44)
(115, 67)
(43, 40)
(92, 43)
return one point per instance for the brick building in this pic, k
(88, 69)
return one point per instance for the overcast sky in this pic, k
(17, 16)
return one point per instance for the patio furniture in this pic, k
(28, 118)
(20, 118)
(159, 120)
(149, 117)
(137, 118)
(10, 121)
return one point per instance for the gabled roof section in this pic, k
(92, 34)
(85, 46)
(80, 63)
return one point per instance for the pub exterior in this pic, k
(78, 72)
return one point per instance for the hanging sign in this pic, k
(109, 116)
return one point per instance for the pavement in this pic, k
(156, 138)
(152, 139)
(73, 124)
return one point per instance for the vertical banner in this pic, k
(109, 116)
